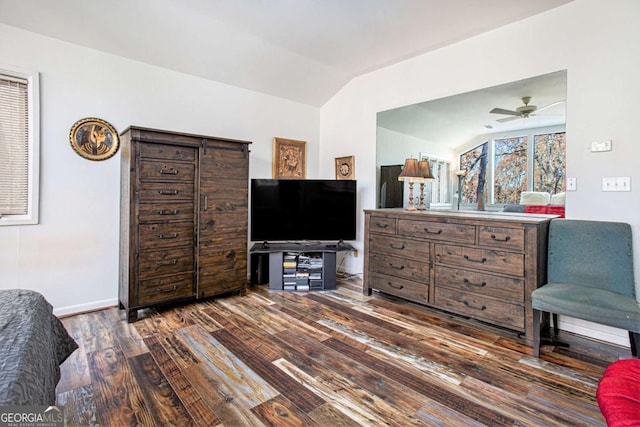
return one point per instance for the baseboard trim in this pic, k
(84, 308)
(594, 330)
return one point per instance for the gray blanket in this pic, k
(33, 343)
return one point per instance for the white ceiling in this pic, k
(302, 50)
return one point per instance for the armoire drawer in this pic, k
(165, 288)
(166, 171)
(167, 152)
(481, 259)
(417, 271)
(170, 261)
(165, 191)
(476, 281)
(482, 307)
(165, 211)
(160, 236)
(417, 292)
(432, 230)
(400, 246)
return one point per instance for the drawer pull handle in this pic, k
(396, 268)
(426, 230)
(167, 290)
(479, 261)
(395, 286)
(168, 192)
(482, 308)
(168, 171)
(480, 285)
(381, 225)
(168, 212)
(164, 263)
(168, 236)
(506, 239)
(392, 246)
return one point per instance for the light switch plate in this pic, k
(599, 146)
(616, 183)
(571, 184)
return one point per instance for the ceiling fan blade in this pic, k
(503, 111)
(553, 104)
(507, 119)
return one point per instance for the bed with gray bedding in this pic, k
(33, 344)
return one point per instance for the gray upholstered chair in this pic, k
(589, 277)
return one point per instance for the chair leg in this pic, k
(536, 332)
(634, 341)
(555, 324)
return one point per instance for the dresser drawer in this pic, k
(160, 236)
(165, 191)
(171, 261)
(481, 307)
(475, 281)
(400, 267)
(381, 224)
(437, 231)
(417, 292)
(166, 288)
(500, 237)
(167, 152)
(151, 170)
(481, 259)
(166, 211)
(399, 246)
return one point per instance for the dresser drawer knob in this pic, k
(392, 246)
(479, 261)
(168, 212)
(506, 239)
(426, 230)
(168, 171)
(168, 192)
(167, 290)
(165, 263)
(479, 285)
(168, 236)
(481, 308)
(395, 267)
(395, 286)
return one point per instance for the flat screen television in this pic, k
(303, 210)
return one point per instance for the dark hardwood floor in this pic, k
(332, 358)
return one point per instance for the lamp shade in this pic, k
(425, 169)
(411, 171)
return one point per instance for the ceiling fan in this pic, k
(523, 111)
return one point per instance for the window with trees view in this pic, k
(501, 169)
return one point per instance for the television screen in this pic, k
(303, 209)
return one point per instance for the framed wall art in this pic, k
(94, 139)
(289, 158)
(345, 167)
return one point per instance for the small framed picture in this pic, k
(94, 139)
(289, 158)
(345, 167)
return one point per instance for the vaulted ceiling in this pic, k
(302, 50)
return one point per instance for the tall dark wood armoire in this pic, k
(183, 217)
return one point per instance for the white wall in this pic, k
(597, 42)
(72, 255)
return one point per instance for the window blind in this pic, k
(14, 146)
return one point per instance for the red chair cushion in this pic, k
(618, 393)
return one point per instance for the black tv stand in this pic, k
(296, 266)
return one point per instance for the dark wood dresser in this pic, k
(481, 265)
(183, 217)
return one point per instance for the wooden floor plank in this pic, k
(336, 358)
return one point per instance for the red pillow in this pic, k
(618, 393)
